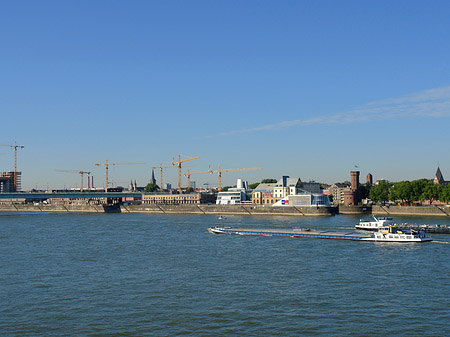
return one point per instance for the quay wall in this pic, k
(343, 209)
(411, 210)
(231, 209)
(175, 209)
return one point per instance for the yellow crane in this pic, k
(178, 163)
(161, 173)
(15, 146)
(112, 164)
(188, 175)
(81, 173)
(219, 171)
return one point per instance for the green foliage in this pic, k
(380, 192)
(409, 191)
(253, 186)
(401, 191)
(416, 190)
(364, 190)
(330, 197)
(226, 188)
(151, 187)
(268, 181)
(444, 194)
(432, 192)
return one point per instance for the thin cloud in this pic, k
(431, 103)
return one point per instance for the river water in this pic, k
(164, 275)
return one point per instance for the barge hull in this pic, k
(292, 233)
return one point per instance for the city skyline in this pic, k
(305, 89)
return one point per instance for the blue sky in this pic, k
(300, 88)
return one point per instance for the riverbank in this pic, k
(396, 210)
(175, 209)
(232, 209)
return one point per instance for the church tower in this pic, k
(438, 178)
(153, 180)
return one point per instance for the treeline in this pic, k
(409, 191)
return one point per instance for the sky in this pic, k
(309, 89)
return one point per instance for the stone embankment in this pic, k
(411, 210)
(396, 210)
(175, 209)
(231, 209)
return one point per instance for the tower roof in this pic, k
(438, 178)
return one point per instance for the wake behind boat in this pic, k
(385, 234)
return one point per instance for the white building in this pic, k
(234, 195)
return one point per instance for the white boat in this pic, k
(393, 234)
(376, 224)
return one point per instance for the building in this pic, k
(10, 182)
(369, 180)
(263, 194)
(235, 195)
(439, 178)
(289, 192)
(178, 199)
(269, 194)
(337, 191)
(305, 199)
(352, 196)
(153, 180)
(312, 187)
(287, 186)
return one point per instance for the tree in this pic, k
(364, 190)
(330, 197)
(444, 195)
(418, 187)
(431, 192)
(409, 191)
(151, 187)
(401, 191)
(268, 181)
(253, 186)
(380, 192)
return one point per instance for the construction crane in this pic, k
(81, 173)
(219, 171)
(178, 163)
(112, 164)
(188, 175)
(15, 146)
(161, 173)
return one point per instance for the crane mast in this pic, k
(178, 163)
(81, 173)
(161, 174)
(188, 175)
(106, 164)
(219, 173)
(15, 147)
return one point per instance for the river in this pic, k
(164, 275)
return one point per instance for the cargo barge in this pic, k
(385, 234)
